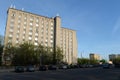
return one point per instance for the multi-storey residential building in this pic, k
(25, 26)
(94, 56)
(113, 56)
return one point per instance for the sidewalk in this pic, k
(6, 70)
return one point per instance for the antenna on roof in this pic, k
(57, 14)
(14, 6)
(11, 6)
(22, 9)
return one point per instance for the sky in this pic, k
(97, 22)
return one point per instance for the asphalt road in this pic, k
(72, 74)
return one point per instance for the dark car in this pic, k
(43, 68)
(107, 65)
(52, 67)
(19, 69)
(63, 66)
(30, 69)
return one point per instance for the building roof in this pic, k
(68, 28)
(32, 13)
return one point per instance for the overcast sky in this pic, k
(97, 22)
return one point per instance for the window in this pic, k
(46, 31)
(51, 23)
(19, 16)
(25, 18)
(37, 30)
(17, 41)
(24, 27)
(31, 24)
(51, 44)
(46, 44)
(30, 38)
(37, 25)
(18, 26)
(51, 50)
(17, 36)
(51, 32)
(51, 41)
(30, 33)
(36, 43)
(31, 19)
(41, 43)
(11, 30)
(42, 30)
(52, 28)
(11, 25)
(23, 37)
(51, 36)
(12, 20)
(42, 26)
(46, 40)
(42, 22)
(23, 32)
(9, 41)
(37, 20)
(25, 22)
(30, 28)
(18, 31)
(36, 39)
(36, 34)
(10, 35)
(41, 37)
(13, 14)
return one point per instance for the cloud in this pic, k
(116, 26)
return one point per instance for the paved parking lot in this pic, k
(71, 74)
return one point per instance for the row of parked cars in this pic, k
(51, 67)
(40, 68)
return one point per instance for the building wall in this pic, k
(68, 43)
(94, 56)
(24, 26)
(113, 56)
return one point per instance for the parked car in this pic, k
(52, 67)
(19, 69)
(90, 66)
(107, 65)
(83, 66)
(63, 66)
(30, 69)
(68, 67)
(117, 65)
(43, 68)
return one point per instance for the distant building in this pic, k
(94, 56)
(25, 26)
(113, 56)
(1, 40)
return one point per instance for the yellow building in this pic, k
(25, 26)
(94, 56)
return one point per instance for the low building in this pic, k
(113, 56)
(94, 56)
